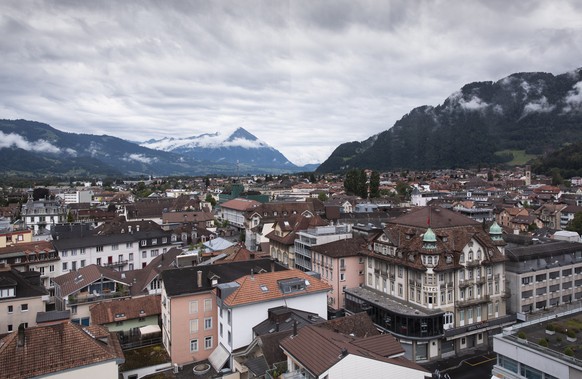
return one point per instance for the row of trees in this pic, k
(358, 183)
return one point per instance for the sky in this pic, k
(302, 76)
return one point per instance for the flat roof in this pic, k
(389, 302)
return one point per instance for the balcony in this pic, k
(473, 301)
(115, 264)
(90, 298)
(465, 283)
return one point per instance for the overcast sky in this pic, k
(303, 76)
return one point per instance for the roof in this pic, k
(348, 247)
(318, 349)
(106, 312)
(54, 348)
(10, 277)
(183, 281)
(240, 204)
(52, 316)
(436, 217)
(265, 287)
(76, 280)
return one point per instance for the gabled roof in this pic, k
(76, 280)
(240, 204)
(318, 349)
(106, 312)
(10, 277)
(54, 348)
(265, 287)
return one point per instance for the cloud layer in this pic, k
(302, 76)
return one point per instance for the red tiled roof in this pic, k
(250, 287)
(239, 204)
(54, 348)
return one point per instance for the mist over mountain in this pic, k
(238, 147)
(482, 123)
(30, 149)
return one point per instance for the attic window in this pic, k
(119, 315)
(264, 288)
(293, 285)
(449, 259)
(141, 312)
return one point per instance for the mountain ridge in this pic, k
(533, 111)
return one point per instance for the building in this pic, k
(234, 211)
(21, 298)
(342, 265)
(77, 290)
(245, 302)
(543, 274)
(439, 289)
(119, 245)
(75, 197)
(319, 235)
(189, 312)
(282, 237)
(320, 352)
(539, 349)
(41, 215)
(61, 350)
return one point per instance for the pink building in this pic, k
(340, 265)
(189, 311)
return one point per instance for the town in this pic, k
(293, 276)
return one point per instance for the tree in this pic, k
(403, 190)
(322, 197)
(375, 184)
(40, 193)
(209, 198)
(575, 225)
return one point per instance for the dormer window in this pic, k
(7, 292)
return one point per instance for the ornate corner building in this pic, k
(435, 280)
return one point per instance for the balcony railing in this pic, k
(115, 264)
(473, 301)
(89, 298)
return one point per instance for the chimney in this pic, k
(252, 274)
(21, 338)
(294, 328)
(277, 326)
(199, 278)
(272, 265)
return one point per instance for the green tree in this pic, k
(375, 184)
(322, 197)
(403, 190)
(209, 198)
(575, 225)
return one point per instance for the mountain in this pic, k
(239, 147)
(32, 149)
(483, 123)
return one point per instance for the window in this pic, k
(143, 242)
(144, 254)
(221, 329)
(194, 326)
(82, 263)
(98, 261)
(65, 266)
(82, 250)
(10, 309)
(154, 241)
(194, 306)
(24, 307)
(130, 257)
(462, 258)
(74, 252)
(193, 345)
(64, 253)
(400, 271)
(129, 245)
(99, 249)
(207, 342)
(10, 327)
(342, 277)
(399, 289)
(165, 240)
(52, 268)
(115, 247)
(207, 305)
(208, 323)
(154, 253)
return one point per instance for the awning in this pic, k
(149, 329)
(218, 357)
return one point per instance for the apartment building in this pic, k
(42, 215)
(306, 239)
(439, 289)
(119, 245)
(543, 274)
(189, 308)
